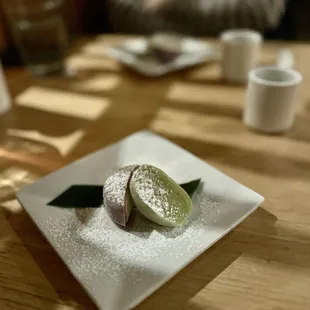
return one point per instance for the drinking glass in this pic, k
(39, 32)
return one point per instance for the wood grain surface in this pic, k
(263, 264)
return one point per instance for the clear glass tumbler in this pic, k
(40, 33)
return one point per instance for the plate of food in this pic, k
(162, 53)
(127, 218)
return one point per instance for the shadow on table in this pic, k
(23, 284)
(205, 81)
(260, 162)
(205, 306)
(209, 108)
(209, 75)
(301, 129)
(261, 243)
(68, 290)
(178, 292)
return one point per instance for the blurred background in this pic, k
(277, 19)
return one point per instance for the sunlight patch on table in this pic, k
(226, 131)
(20, 269)
(103, 42)
(62, 102)
(44, 164)
(96, 48)
(24, 146)
(111, 40)
(102, 82)
(190, 124)
(12, 179)
(12, 205)
(198, 93)
(63, 144)
(87, 62)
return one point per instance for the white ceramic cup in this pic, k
(270, 100)
(240, 54)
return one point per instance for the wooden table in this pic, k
(263, 264)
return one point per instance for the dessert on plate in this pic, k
(165, 46)
(158, 197)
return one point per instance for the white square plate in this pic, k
(193, 52)
(121, 267)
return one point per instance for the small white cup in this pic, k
(240, 53)
(270, 100)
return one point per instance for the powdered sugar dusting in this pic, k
(116, 185)
(150, 190)
(155, 191)
(94, 246)
(114, 194)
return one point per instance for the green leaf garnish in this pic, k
(79, 196)
(191, 187)
(90, 196)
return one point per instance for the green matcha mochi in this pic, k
(158, 197)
